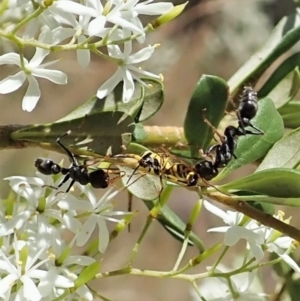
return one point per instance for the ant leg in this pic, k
(222, 139)
(209, 152)
(64, 180)
(241, 122)
(121, 175)
(71, 184)
(259, 131)
(129, 207)
(68, 152)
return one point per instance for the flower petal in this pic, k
(142, 55)
(124, 23)
(10, 58)
(30, 290)
(32, 95)
(96, 26)
(74, 8)
(115, 51)
(288, 260)
(128, 85)
(6, 282)
(86, 231)
(154, 8)
(103, 235)
(40, 53)
(55, 76)
(12, 82)
(110, 84)
(60, 34)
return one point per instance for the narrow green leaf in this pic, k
(251, 148)
(291, 114)
(288, 73)
(284, 36)
(284, 153)
(87, 274)
(97, 133)
(251, 196)
(275, 182)
(135, 148)
(211, 93)
(175, 226)
(285, 90)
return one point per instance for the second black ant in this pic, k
(98, 178)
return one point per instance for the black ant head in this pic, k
(231, 132)
(206, 170)
(47, 166)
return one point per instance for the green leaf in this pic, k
(286, 78)
(251, 196)
(291, 114)
(97, 133)
(87, 274)
(152, 101)
(145, 102)
(266, 207)
(135, 148)
(250, 147)
(211, 93)
(285, 90)
(275, 182)
(139, 132)
(284, 36)
(175, 226)
(284, 153)
(292, 287)
(282, 269)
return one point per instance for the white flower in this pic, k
(95, 9)
(281, 245)
(31, 214)
(27, 270)
(236, 231)
(218, 289)
(99, 212)
(124, 14)
(31, 69)
(143, 8)
(126, 71)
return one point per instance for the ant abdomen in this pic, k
(248, 103)
(99, 178)
(47, 166)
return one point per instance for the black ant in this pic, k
(98, 178)
(247, 110)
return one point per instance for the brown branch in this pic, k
(262, 217)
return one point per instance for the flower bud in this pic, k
(169, 16)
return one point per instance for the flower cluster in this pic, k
(238, 284)
(84, 27)
(36, 262)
